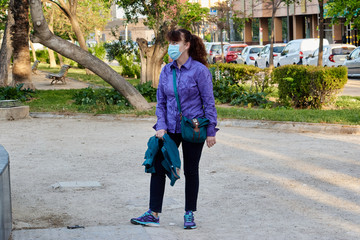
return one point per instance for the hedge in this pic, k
(309, 86)
(238, 72)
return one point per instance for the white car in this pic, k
(296, 50)
(352, 62)
(333, 55)
(249, 55)
(263, 60)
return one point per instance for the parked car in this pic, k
(217, 57)
(233, 51)
(296, 50)
(249, 55)
(333, 55)
(263, 60)
(213, 49)
(352, 62)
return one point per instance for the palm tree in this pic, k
(20, 42)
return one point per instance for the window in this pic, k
(342, 50)
(355, 54)
(287, 48)
(245, 50)
(255, 50)
(263, 51)
(278, 49)
(294, 47)
(316, 53)
(236, 49)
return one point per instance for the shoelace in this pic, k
(145, 214)
(189, 217)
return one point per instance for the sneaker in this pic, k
(147, 219)
(189, 220)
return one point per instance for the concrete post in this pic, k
(298, 24)
(265, 30)
(314, 24)
(248, 32)
(278, 30)
(337, 36)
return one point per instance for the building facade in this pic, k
(293, 22)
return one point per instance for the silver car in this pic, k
(333, 55)
(213, 49)
(263, 60)
(352, 62)
(249, 55)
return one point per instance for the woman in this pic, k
(194, 84)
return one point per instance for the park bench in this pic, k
(35, 66)
(59, 77)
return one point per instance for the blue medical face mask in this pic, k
(174, 51)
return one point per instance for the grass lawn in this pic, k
(345, 111)
(80, 75)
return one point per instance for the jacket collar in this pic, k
(187, 64)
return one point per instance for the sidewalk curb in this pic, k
(274, 125)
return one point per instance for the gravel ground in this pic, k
(254, 184)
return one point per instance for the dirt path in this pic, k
(43, 83)
(254, 184)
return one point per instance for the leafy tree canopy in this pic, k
(192, 14)
(159, 14)
(4, 4)
(350, 10)
(91, 14)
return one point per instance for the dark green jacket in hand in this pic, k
(171, 155)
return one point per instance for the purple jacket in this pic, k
(195, 90)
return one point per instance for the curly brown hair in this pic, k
(197, 48)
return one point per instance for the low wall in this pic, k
(14, 113)
(5, 197)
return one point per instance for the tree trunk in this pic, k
(43, 35)
(150, 62)
(222, 45)
(6, 49)
(321, 28)
(51, 52)
(69, 9)
(271, 57)
(33, 50)
(77, 30)
(20, 42)
(97, 38)
(60, 59)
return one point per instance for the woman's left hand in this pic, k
(210, 141)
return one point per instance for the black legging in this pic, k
(191, 155)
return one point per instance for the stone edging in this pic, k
(274, 125)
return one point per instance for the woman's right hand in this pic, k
(160, 133)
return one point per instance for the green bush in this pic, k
(129, 68)
(226, 90)
(147, 91)
(98, 51)
(240, 84)
(127, 54)
(15, 93)
(102, 96)
(238, 72)
(309, 86)
(43, 56)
